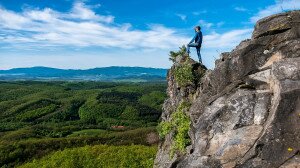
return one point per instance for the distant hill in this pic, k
(113, 73)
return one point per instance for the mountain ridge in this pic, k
(97, 74)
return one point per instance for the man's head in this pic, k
(197, 28)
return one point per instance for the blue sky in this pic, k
(89, 33)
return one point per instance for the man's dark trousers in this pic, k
(196, 45)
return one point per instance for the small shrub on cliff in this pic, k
(181, 52)
(184, 74)
(164, 128)
(180, 125)
(182, 122)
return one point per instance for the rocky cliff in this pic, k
(246, 112)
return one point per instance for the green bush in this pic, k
(184, 74)
(164, 128)
(179, 124)
(182, 121)
(99, 156)
(181, 52)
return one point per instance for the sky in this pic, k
(82, 34)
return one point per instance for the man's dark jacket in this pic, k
(197, 38)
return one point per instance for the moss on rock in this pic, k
(179, 125)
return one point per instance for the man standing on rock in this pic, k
(196, 42)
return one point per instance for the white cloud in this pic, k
(11, 19)
(81, 27)
(46, 15)
(278, 7)
(226, 40)
(240, 9)
(196, 13)
(182, 17)
(81, 11)
(205, 24)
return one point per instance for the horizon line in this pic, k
(82, 68)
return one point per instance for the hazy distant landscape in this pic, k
(132, 74)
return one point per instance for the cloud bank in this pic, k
(82, 27)
(278, 7)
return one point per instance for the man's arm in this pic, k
(193, 39)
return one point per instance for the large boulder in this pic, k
(246, 112)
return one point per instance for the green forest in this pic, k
(79, 124)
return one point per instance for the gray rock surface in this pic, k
(246, 112)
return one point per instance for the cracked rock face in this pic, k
(246, 112)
